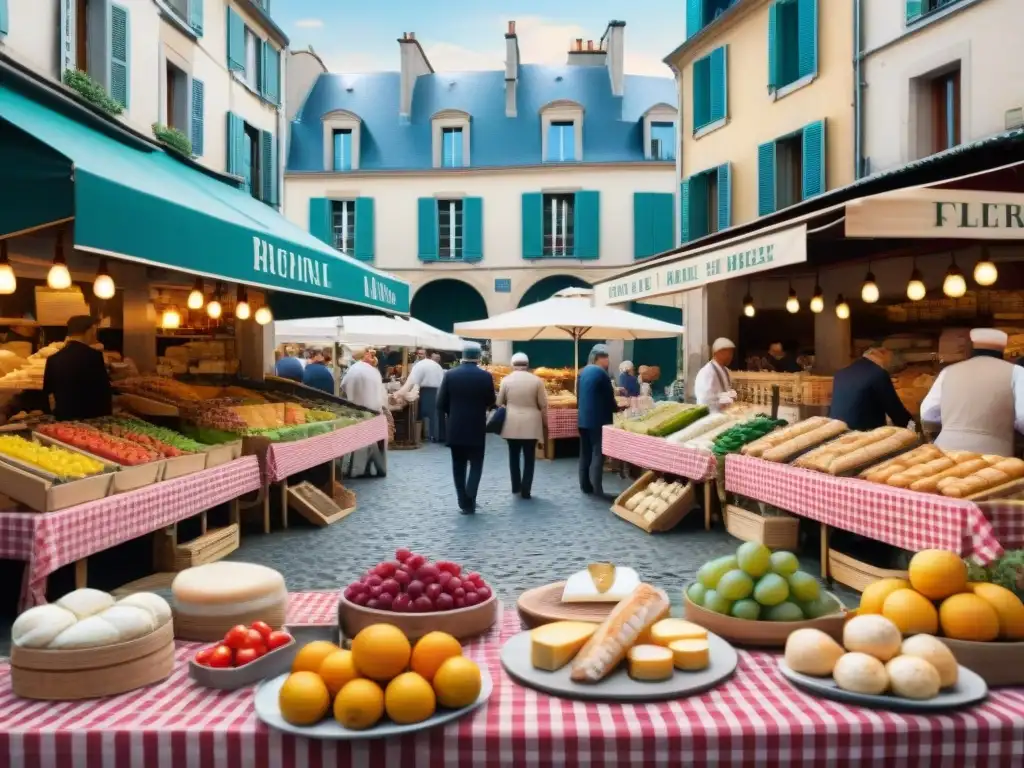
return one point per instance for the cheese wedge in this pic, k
(581, 587)
(603, 576)
(552, 646)
(668, 631)
(690, 655)
(650, 663)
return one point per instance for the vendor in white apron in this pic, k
(979, 402)
(713, 385)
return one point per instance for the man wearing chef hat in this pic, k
(713, 385)
(979, 402)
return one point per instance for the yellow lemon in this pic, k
(457, 683)
(409, 699)
(359, 704)
(303, 699)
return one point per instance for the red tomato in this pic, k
(203, 657)
(221, 657)
(263, 628)
(254, 640)
(237, 637)
(246, 655)
(277, 639)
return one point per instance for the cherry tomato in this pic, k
(203, 657)
(221, 658)
(246, 655)
(253, 639)
(278, 639)
(263, 628)
(237, 637)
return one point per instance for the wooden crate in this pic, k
(668, 519)
(856, 574)
(319, 508)
(775, 532)
(212, 545)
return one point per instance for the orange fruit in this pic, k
(968, 617)
(303, 699)
(872, 598)
(1007, 606)
(359, 704)
(409, 699)
(432, 650)
(457, 682)
(312, 655)
(937, 573)
(912, 612)
(336, 670)
(381, 651)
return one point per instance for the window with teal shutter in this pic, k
(236, 144)
(807, 38)
(365, 234)
(3, 17)
(268, 166)
(198, 114)
(694, 17)
(814, 159)
(663, 221)
(272, 74)
(792, 42)
(120, 52)
(195, 16)
(472, 229)
(320, 225)
(724, 196)
(427, 228)
(766, 178)
(914, 10)
(774, 76)
(684, 211)
(236, 42)
(719, 84)
(643, 224)
(533, 225)
(699, 207)
(587, 225)
(701, 92)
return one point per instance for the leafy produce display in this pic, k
(760, 585)
(136, 429)
(653, 418)
(383, 675)
(937, 599)
(66, 465)
(243, 645)
(412, 584)
(89, 439)
(1007, 571)
(733, 439)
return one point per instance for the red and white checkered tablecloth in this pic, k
(563, 423)
(659, 454)
(905, 519)
(48, 541)
(286, 459)
(754, 718)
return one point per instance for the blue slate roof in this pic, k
(612, 127)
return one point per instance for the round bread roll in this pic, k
(872, 634)
(156, 605)
(86, 602)
(860, 673)
(37, 627)
(130, 621)
(208, 589)
(90, 632)
(812, 652)
(936, 653)
(913, 678)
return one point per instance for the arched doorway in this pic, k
(442, 303)
(551, 354)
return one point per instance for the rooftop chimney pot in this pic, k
(590, 45)
(512, 27)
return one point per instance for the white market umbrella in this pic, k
(366, 330)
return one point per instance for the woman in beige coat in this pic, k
(526, 418)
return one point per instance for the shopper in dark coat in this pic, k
(76, 376)
(863, 394)
(596, 403)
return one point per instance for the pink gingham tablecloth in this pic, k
(905, 519)
(659, 454)
(48, 541)
(563, 423)
(754, 718)
(286, 459)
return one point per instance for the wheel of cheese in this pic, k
(210, 599)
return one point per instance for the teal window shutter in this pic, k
(766, 178)
(533, 225)
(663, 221)
(807, 38)
(914, 9)
(694, 17)
(198, 114)
(472, 228)
(587, 225)
(236, 145)
(195, 16)
(120, 52)
(320, 220)
(267, 170)
(264, 78)
(774, 57)
(365, 236)
(684, 211)
(273, 75)
(724, 197)
(813, 159)
(698, 205)
(427, 222)
(4, 23)
(643, 225)
(718, 85)
(236, 42)
(701, 92)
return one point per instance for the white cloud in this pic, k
(309, 23)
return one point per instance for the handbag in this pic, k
(496, 421)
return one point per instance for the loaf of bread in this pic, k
(930, 483)
(780, 436)
(980, 481)
(873, 451)
(920, 455)
(856, 449)
(794, 446)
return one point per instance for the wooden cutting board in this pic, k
(543, 605)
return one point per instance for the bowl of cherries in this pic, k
(418, 596)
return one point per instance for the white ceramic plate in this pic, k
(268, 711)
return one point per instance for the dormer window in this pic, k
(450, 137)
(562, 132)
(561, 141)
(451, 147)
(341, 141)
(660, 139)
(342, 149)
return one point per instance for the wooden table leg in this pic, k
(235, 512)
(334, 477)
(266, 508)
(284, 503)
(81, 573)
(824, 552)
(707, 505)
(204, 523)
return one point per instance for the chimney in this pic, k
(414, 63)
(511, 69)
(586, 54)
(614, 42)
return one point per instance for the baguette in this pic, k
(1014, 468)
(919, 455)
(980, 481)
(613, 639)
(786, 450)
(873, 451)
(933, 483)
(759, 446)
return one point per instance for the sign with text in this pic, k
(940, 213)
(779, 249)
(503, 285)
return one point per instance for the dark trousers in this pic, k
(463, 457)
(521, 483)
(429, 414)
(591, 461)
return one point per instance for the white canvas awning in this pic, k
(366, 330)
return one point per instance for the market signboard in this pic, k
(938, 213)
(778, 249)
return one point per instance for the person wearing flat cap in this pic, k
(713, 385)
(979, 402)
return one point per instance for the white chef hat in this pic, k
(720, 344)
(988, 338)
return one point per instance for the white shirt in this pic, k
(931, 406)
(711, 383)
(363, 386)
(426, 373)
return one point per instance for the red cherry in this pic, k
(460, 602)
(458, 593)
(473, 598)
(385, 601)
(415, 561)
(415, 589)
(401, 578)
(433, 591)
(444, 578)
(454, 583)
(402, 603)
(357, 587)
(474, 576)
(385, 569)
(372, 603)
(349, 593)
(444, 602)
(390, 587)
(361, 599)
(408, 569)
(375, 592)
(484, 593)
(428, 571)
(423, 604)
(374, 580)
(402, 554)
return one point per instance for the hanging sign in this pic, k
(940, 213)
(787, 246)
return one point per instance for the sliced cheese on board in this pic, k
(580, 587)
(690, 655)
(552, 646)
(668, 631)
(650, 663)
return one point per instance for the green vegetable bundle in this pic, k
(677, 421)
(734, 438)
(1007, 571)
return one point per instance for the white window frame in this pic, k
(456, 245)
(562, 111)
(449, 118)
(341, 120)
(660, 113)
(252, 67)
(348, 222)
(559, 226)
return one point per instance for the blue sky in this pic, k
(461, 35)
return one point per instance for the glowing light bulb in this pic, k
(749, 310)
(954, 285)
(196, 299)
(58, 278)
(8, 282)
(263, 315)
(817, 300)
(214, 309)
(985, 272)
(103, 286)
(842, 308)
(171, 319)
(869, 291)
(242, 310)
(792, 303)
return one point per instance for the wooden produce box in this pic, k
(123, 479)
(856, 574)
(319, 508)
(179, 466)
(216, 455)
(215, 544)
(668, 519)
(44, 492)
(775, 532)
